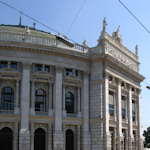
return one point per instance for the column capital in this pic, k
(59, 69)
(26, 65)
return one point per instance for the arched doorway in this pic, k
(6, 139)
(39, 139)
(69, 140)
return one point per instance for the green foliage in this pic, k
(146, 134)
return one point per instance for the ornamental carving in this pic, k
(120, 57)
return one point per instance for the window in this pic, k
(133, 110)
(13, 65)
(40, 100)
(123, 106)
(71, 72)
(4, 64)
(69, 102)
(111, 103)
(7, 99)
(47, 68)
(38, 67)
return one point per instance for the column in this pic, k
(15, 139)
(126, 113)
(49, 136)
(78, 137)
(119, 114)
(140, 140)
(17, 97)
(115, 108)
(24, 139)
(32, 110)
(126, 140)
(115, 138)
(136, 110)
(107, 136)
(79, 102)
(32, 136)
(58, 134)
(64, 101)
(50, 100)
(130, 118)
(86, 135)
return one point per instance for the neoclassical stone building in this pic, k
(57, 95)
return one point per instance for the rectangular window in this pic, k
(133, 110)
(111, 103)
(47, 68)
(4, 64)
(71, 72)
(123, 105)
(38, 67)
(13, 65)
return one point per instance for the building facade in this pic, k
(56, 95)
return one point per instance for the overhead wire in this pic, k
(134, 17)
(75, 17)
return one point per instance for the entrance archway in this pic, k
(6, 139)
(39, 139)
(69, 140)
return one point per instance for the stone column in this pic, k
(79, 102)
(64, 101)
(50, 99)
(24, 135)
(17, 97)
(130, 118)
(140, 140)
(126, 111)
(32, 110)
(107, 136)
(86, 139)
(15, 138)
(115, 138)
(58, 134)
(78, 137)
(49, 136)
(136, 110)
(119, 114)
(32, 136)
(115, 108)
(126, 140)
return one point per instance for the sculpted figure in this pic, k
(27, 30)
(136, 50)
(104, 24)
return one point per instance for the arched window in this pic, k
(7, 98)
(39, 139)
(69, 140)
(69, 102)
(6, 139)
(40, 100)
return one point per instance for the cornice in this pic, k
(53, 50)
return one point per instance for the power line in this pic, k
(134, 17)
(75, 17)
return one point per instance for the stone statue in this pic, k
(104, 24)
(27, 30)
(117, 32)
(136, 50)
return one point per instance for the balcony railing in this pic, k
(35, 39)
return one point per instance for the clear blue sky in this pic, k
(59, 15)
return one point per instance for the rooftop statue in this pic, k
(117, 35)
(27, 30)
(136, 50)
(104, 24)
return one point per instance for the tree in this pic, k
(146, 134)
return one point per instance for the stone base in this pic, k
(86, 141)
(107, 142)
(58, 139)
(24, 140)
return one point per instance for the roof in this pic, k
(21, 29)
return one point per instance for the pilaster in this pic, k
(130, 118)
(17, 97)
(107, 136)
(32, 109)
(58, 136)
(86, 137)
(15, 139)
(24, 135)
(50, 100)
